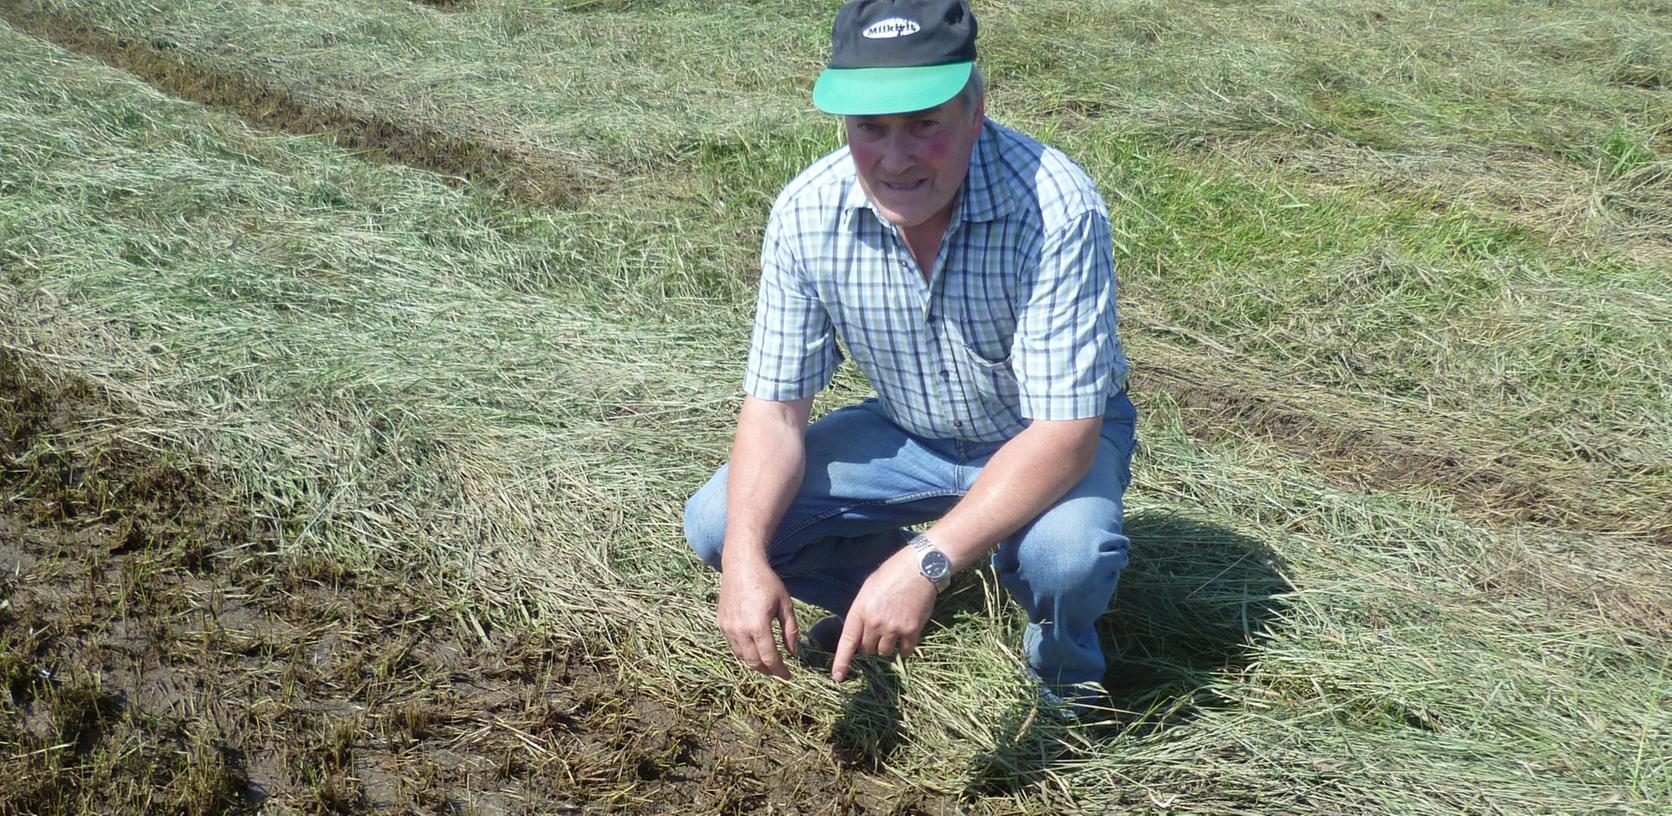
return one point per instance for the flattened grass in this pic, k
(1442, 320)
(586, 90)
(1495, 107)
(1467, 329)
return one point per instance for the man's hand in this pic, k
(768, 457)
(888, 615)
(752, 596)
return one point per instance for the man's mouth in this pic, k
(904, 187)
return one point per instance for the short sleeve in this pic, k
(1066, 354)
(792, 353)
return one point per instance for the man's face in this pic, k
(912, 164)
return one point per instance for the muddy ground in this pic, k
(159, 654)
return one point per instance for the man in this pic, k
(966, 269)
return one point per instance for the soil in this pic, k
(160, 653)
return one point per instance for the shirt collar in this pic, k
(985, 195)
(988, 192)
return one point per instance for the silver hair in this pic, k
(973, 91)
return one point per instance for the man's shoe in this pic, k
(816, 648)
(1083, 703)
(1053, 704)
(824, 634)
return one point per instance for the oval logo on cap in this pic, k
(890, 28)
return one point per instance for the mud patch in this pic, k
(503, 171)
(1491, 485)
(159, 654)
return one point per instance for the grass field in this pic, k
(444, 306)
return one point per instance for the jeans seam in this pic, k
(812, 520)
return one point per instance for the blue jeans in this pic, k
(866, 479)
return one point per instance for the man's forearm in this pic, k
(1023, 479)
(767, 463)
(1026, 476)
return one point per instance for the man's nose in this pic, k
(896, 154)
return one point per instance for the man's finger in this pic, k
(786, 623)
(871, 641)
(744, 651)
(845, 646)
(770, 664)
(745, 648)
(886, 646)
(908, 645)
(736, 646)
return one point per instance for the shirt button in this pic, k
(945, 374)
(931, 320)
(957, 423)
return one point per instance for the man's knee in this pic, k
(1074, 546)
(705, 519)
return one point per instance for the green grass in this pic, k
(516, 401)
(1492, 106)
(1379, 278)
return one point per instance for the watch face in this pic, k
(934, 565)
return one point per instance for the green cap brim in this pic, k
(883, 91)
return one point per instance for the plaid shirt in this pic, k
(1016, 323)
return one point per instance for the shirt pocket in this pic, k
(986, 365)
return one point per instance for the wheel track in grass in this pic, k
(500, 169)
(1493, 485)
(1496, 485)
(446, 6)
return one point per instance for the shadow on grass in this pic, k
(869, 728)
(1195, 599)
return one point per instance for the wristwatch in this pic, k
(931, 562)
